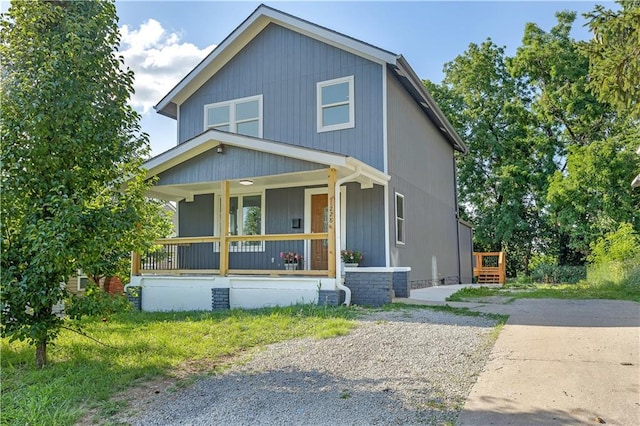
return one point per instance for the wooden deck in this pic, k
(490, 268)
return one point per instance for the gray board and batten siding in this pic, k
(465, 238)
(234, 163)
(365, 228)
(421, 165)
(365, 223)
(284, 66)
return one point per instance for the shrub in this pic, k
(618, 246)
(558, 274)
(541, 259)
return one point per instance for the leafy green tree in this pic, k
(617, 246)
(71, 155)
(614, 55)
(589, 194)
(111, 253)
(502, 180)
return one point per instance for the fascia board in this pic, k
(179, 154)
(374, 174)
(330, 37)
(417, 84)
(282, 149)
(212, 138)
(246, 31)
(215, 60)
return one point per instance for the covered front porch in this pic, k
(250, 235)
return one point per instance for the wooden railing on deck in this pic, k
(177, 256)
(490, 268)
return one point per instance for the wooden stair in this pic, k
(489, 274)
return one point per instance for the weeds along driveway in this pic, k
(406, 366)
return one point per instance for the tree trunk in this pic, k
(41, 353)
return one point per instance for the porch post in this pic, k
(135, 263)
(331, 238)
(224, 230)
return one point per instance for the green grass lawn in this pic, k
(583, 290)
(83, 374)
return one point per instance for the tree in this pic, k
(501, 181)
(614, 55)
(589, 195)
(71, 155)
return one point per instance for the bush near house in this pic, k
(558, 274)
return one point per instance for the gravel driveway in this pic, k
(409, 366)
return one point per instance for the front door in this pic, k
(319, 223)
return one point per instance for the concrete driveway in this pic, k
(569, 362)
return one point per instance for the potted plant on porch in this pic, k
(291, 260)
(351, 258)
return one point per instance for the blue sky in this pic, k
(163, 40)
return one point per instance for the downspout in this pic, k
(337, 226)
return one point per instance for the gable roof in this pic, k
(265, 15)
(210, 139)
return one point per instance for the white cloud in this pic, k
(159, 60)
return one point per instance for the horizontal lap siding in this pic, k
(422, 169)
(235, 163)
(284, 67)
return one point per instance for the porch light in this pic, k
(246, 182)
(220, 149)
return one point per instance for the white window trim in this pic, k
(217, 220)
(233, 124)
(403, 219)
(79, 275)
(351, 102)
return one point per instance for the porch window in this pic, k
(246, 217)
(242, 116)
(335, 104)
(400, 232)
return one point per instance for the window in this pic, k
(335, 104)
(399, 219)
(83, 281)
(246, 217)
(242, 116)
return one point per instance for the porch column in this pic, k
(331, 238)
(135, 263)
(224, 230)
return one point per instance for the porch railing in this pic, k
(236, 255)
(489, 267)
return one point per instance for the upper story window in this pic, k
(242, 116)
(400, 234)
(335, 104)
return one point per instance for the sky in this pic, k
(163, 40)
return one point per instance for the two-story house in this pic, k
(296, 142)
